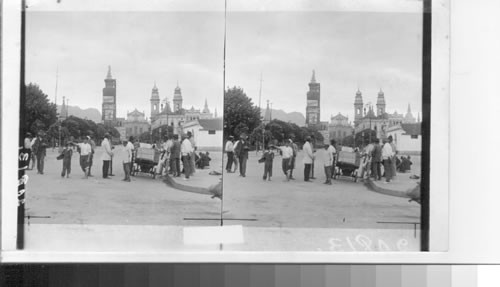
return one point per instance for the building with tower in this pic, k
(380, 104)
(358, 108)
(313, 115)
(64, 110)
(366, 118)
(109, 99)
(175, 116)
(155, 103)
(177, 99)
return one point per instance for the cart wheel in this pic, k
(355, 176)
(153, 171)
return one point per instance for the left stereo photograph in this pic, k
(120, 130)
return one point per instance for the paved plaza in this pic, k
(344, 204)
(147, 214)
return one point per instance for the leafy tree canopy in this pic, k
(39, 114)
(240, 113)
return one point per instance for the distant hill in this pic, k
(90, 113)
(293, 117)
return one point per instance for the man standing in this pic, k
(230, 153)
(242, 153)
(85, 153)
(106, 156)
(376, 160)
(308, 158)
(192, 156)
(40, 147)
(91, 159)
(331, 153)
(387, 154)
(128, 149)
(175, 154)
(295, 149)
(33, 153)
(287, 155)
(394, 153)
(186, 151)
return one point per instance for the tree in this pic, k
(39, 113)
(240, 114)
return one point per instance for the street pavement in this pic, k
(143, 201)
(278, 203)
(148, 215)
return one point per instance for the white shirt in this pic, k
(186, 147)
(106, 155)
(129, 147)
(308, 153)
(287, 152)
(229, 146)
(330, 152)
(85, 149)
(387, 151)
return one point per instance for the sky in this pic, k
(347, 50)
(141, 47)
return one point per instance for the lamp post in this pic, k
(370, 108)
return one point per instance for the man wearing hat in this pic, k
(85, 152)
(91, 159)
(308, 158)
(241, 152)
(40, 147)
(230, 153)
(106, 155)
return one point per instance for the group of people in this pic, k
(237, 155)
(174, 151)
(86, 148)
(376, 155)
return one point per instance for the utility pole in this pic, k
(260, 112)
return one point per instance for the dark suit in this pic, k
(175, 154)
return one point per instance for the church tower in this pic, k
(177, 99)
(109, 99)
(380, 104)
(64, 110)
(206, 110)
(313, 102)
(358, 108)
(155, 103)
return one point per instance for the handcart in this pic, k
(145, 160)
(347, 164)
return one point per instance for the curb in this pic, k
(411, 193)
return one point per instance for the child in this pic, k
(66, 155)
(267, 159)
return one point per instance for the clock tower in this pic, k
(109, 99)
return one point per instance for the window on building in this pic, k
(140, 130)
(135, 130)
(211, 132)
(345, 133)
(414, 136)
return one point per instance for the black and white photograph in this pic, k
(227, 127)
(323, 129)
(123, 121)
